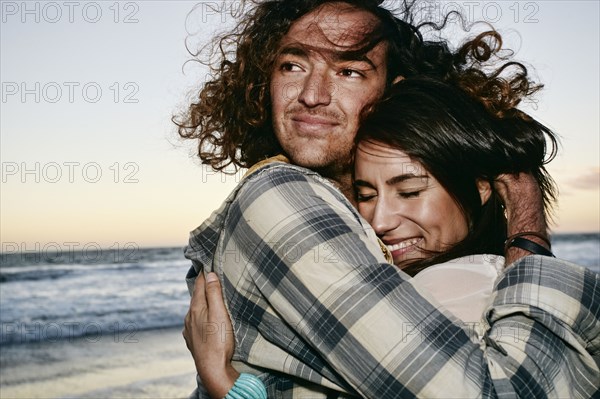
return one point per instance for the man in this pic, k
(316, 309)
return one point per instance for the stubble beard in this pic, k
(329, 161)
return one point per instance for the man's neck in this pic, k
(343, 180)
(345, 186)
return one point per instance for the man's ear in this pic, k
(398, 79)
(485, 190)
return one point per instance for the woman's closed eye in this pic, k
(409, 194)
(364, 197)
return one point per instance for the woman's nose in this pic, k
(385, 217)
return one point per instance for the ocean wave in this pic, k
(581, 249)
(34, 275)
(53, 302)
(49, 272)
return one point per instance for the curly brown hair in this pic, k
(501, 89)
(231, 117)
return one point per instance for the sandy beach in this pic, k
(145, 364)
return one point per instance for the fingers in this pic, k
(214, 298)
(520, 188)
(198, 306)
(521, 179)
(207, 304)
(185, 338)
(503, 181)
(197, 310)
(199, 296)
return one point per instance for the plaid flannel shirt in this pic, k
(317, 312)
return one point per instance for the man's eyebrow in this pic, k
(345, 56)
(402, 178)
(294, 50)
(334, 55)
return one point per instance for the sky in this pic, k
(90, 157)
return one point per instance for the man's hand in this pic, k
(208, 335)
(524, 206)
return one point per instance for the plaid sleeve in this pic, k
(544, 318)
(308, 261)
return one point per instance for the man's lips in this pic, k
(402, 246)
(311, 123)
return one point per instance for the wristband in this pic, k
(531, 233)
(527, 245)
(247, 386)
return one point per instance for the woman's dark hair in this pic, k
(458, 140)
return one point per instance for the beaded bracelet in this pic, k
(247, 386)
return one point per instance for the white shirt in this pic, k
(463, 285)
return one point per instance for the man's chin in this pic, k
(310, 160)
(327, 165)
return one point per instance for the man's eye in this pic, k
(289, 67)
(351, 73)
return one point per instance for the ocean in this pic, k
(53, 303)
(51, 297)
(94, 324)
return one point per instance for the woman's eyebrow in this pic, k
(405, 177)
(362, 183)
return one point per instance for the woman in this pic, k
(426, 164)
(425, 167)
(464, 147)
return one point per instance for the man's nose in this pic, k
(317, 89)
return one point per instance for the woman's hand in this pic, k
(524, 204)
(208, 335)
